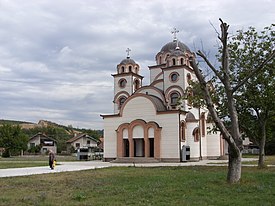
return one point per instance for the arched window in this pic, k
(122, 69)
(174, 61)
(174, 98)
(181, 61)
(189, 78)
(202, 119)
(130, 68)
(122, 83)
(121, 101)
(137, 84)
(159, 59)
(196, 134)
(182, 131)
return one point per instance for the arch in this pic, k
(183, 131)
(190, 117)
(138, 142)
(121, 101)
(196, 134)
(174, 97)
(122, 83)
(120, 93)
(137, 84)
(174, 61)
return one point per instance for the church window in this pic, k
(189, 78)
(160, 60)
(122, 83)
(137, 84)
(202, 119)
(182, 131)
(181, 61)
(174, 98)
(122, 69)
(196, 134)
(121, 101)
(174, 61)
(174, 77)
(130, 68)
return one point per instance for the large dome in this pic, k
(171, 46)
(128, 60)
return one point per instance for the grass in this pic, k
(141, 186)
(30, 161)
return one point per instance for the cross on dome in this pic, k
(128, 52)
(174, 32)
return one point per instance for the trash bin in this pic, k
(82, 154)
(185, 153)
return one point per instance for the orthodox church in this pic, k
(148, 123)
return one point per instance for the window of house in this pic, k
(189, 78)
(121, 101)
(174, 61)
(122, 83)
(88, 142)
(203, 124)
(196, 134)
(137, 84)
(174, 77)
(174, 98)
(77, 145)
(32, 145)
(182, 129)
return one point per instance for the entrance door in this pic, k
(151, 142)
(126, 147)
(139, 147)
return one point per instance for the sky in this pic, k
(57, 57)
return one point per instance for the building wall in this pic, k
(142, 108)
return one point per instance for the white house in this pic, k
(82, 141)
(46, 143)
(147, 121)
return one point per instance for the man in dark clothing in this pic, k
(51, 159)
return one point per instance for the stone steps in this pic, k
(135, 160)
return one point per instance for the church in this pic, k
(148, 122)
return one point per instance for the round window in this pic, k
(174, 77)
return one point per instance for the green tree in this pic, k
(12, 139)
(256, 97)
(226, 83)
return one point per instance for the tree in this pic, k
(12, 139)
(225, 88)
(256, 98)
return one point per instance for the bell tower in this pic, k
(126, 81)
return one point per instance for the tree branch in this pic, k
(255, 71)
(199, 53)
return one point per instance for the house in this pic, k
(148, 122)
(81, 141)
(46, 143)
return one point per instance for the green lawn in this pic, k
(141, 186)
(30, 161)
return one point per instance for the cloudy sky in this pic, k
(57, 57)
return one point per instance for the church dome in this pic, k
(128, 60)
(172, 46)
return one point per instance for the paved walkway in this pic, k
(87, 165)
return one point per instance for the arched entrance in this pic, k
(138, 139)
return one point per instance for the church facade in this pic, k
(148, 122)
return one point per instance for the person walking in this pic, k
(51, 159)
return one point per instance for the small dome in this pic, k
(171, 46)
(128, 60)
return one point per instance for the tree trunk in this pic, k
(261, 161)
(234, 167)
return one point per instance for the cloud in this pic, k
(57, 57)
